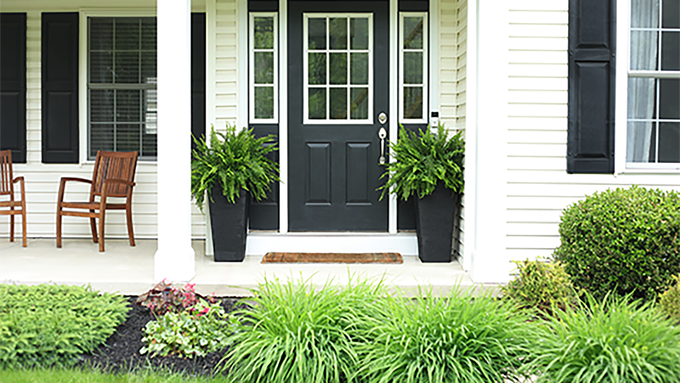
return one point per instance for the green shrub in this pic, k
(196, 331)
(50, 325)
(623, 240)
(293, 333)
(613, 341)
(669, 301)
(458, 338)
(544, 286)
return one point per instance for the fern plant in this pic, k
(423, 159)
(235, 160)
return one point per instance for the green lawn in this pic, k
(84, 376)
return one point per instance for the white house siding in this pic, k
(42, 180)
(539, 187)
(225, 71)
(452, 80)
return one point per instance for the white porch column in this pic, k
(490, 263)
(174, 258)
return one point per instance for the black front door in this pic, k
(338, 71)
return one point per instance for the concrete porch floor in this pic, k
(130, 270)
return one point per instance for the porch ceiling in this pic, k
(130, 270)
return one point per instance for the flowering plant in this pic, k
(164, 298)
(202, 328)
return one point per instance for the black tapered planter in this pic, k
(435, 214)
(229, 225)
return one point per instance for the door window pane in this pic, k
(359, 33)
(359, 65)
(338, 103)
(317, 68)
(338, 33)
(359, 103)
(338, 69)
(317, 103)
(317, 33)
(413, 67)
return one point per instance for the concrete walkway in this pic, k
(130, 270)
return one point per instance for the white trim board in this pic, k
(261, 243)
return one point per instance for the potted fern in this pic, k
(231, 169)
(429, 166)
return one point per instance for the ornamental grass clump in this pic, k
(51, 325)
(624, 240)
(540, 285)
(291, 332)
(614, 340)
(456, 338)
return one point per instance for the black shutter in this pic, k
(60, 88)
(197, 76)
(13, 85)
(592, 49)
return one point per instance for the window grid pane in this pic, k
(122, 85)
(338, 71)
(653, 116)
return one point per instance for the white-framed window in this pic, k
(650, 127)
(121, 85)
(413, 73)
(338, 68)
(263, 68)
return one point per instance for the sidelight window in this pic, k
(413, 68)
(263, 68)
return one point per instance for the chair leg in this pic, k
(101, 230)
(11, 226)
(93, 227)
(59, 227)
(131, 233)
(23, 224)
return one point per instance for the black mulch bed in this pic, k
(121, 351)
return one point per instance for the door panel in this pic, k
(334, 99)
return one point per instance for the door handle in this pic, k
(382, 133)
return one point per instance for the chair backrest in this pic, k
(113, 165)
(6, 185)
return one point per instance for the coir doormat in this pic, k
(276, 257)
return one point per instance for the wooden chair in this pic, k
(113, 176)
(7, 188)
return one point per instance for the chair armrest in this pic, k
(62, 187)
(66, 179)
(20, 180)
